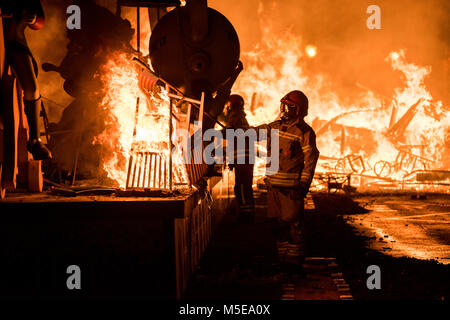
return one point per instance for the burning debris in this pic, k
(149, 196)
(82, 120)
(381, 138)
(130, 129)
(201, 87)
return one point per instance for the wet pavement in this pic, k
(405, 227)
(246, 262)
(407, 238)
(345, 226)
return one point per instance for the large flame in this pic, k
(406, 132)
(120, 94)
(276, 66)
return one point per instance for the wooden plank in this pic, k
(2, 47)
(35, 178)
(10, 123)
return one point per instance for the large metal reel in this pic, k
(194, 66)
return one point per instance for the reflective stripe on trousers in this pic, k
(284, 179)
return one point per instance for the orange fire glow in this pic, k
(120, 81)
(410, 125)
(276, 66)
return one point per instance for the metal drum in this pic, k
(194, 48)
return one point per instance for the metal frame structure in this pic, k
(148, 169)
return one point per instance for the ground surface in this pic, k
(405, 226)
(344, 236)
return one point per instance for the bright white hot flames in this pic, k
(276, 66)
(311, 50)
(121, 90)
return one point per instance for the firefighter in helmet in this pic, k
(298, 156)
(243, 172)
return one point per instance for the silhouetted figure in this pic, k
(243, 172)
(90, 47)
(25, 13)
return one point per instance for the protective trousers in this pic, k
(283, 204)
(243, 174)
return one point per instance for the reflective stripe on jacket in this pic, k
(298, 154)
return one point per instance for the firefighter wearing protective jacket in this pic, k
(243, 173)
(298, 156)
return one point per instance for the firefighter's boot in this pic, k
(295, 252)
(246, 214)
(35, 145)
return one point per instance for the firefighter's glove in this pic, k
(267, 183)
(302, 190)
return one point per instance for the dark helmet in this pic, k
(235, 103)
(299, 100)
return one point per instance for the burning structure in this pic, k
(115, 139)
(382, 142)
(124, 126)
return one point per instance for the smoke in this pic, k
(49, 45)
(350, 60)
(348, 52)
(350, 69)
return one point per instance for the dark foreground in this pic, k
(134, 248)
(243, 261)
